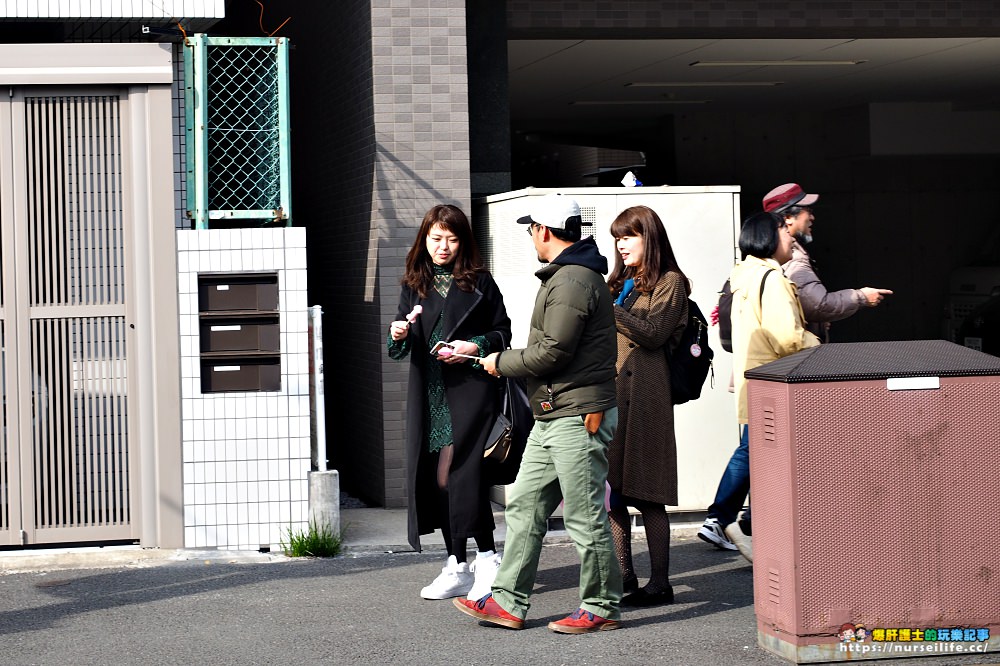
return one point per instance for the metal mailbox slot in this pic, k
(245, 374)
(236, 335)
(247, 292)
(239, 327)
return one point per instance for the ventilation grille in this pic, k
(768, 422)
(238, 159)
(773, 585)
(243, 128)
(588, 221)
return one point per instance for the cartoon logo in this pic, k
(852, 633)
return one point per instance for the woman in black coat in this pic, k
(451, 402)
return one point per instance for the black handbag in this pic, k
(513, 424)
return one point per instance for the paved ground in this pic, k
(184, 607)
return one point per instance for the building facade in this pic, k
(400, 105)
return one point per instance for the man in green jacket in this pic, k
(569, 364)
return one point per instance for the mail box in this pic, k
(240, 332)
(240, 374)
(247, 292)
(236, 335)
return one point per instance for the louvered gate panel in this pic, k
(5, 470)
(77, 329)
(9, 488)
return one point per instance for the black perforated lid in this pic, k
(878, 360)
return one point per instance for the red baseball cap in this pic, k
(786, 196)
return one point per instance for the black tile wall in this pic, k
(384, 103)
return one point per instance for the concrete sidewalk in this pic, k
(365, 530)
(384, 530)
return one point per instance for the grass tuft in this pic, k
(317, 541)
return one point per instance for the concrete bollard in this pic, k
(324, 499)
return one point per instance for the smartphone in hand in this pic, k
(438, 346)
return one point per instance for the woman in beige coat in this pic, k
(650, 314)
(767, 325)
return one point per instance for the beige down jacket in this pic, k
(766, 326)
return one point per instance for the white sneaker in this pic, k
(742, 541)
(711, 532)
(485, 567)
(455, 580)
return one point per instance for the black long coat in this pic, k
(473, 401)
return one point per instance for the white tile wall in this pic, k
(119, 9)
(246, 455)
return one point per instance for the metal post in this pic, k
(317, 405)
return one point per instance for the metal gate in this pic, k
(66, 473)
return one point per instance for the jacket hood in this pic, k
(584, 253)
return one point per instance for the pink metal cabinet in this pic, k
(874, 504)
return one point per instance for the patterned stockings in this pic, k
(657, 525)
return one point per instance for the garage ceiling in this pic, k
(615, 85)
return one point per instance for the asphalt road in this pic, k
(365, 609)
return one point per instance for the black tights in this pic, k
(484, 542)
(657, 525)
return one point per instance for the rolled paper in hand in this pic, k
(412, 317)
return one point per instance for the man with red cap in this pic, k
(819, 305)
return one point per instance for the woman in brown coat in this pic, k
(650, 313)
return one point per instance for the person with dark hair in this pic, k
(451, 402)
(819, 305)
(768, 324)
(569, 364)
(650, 314)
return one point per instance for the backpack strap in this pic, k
(762, 281)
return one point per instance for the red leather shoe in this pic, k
(488, 610)
(583, 622)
